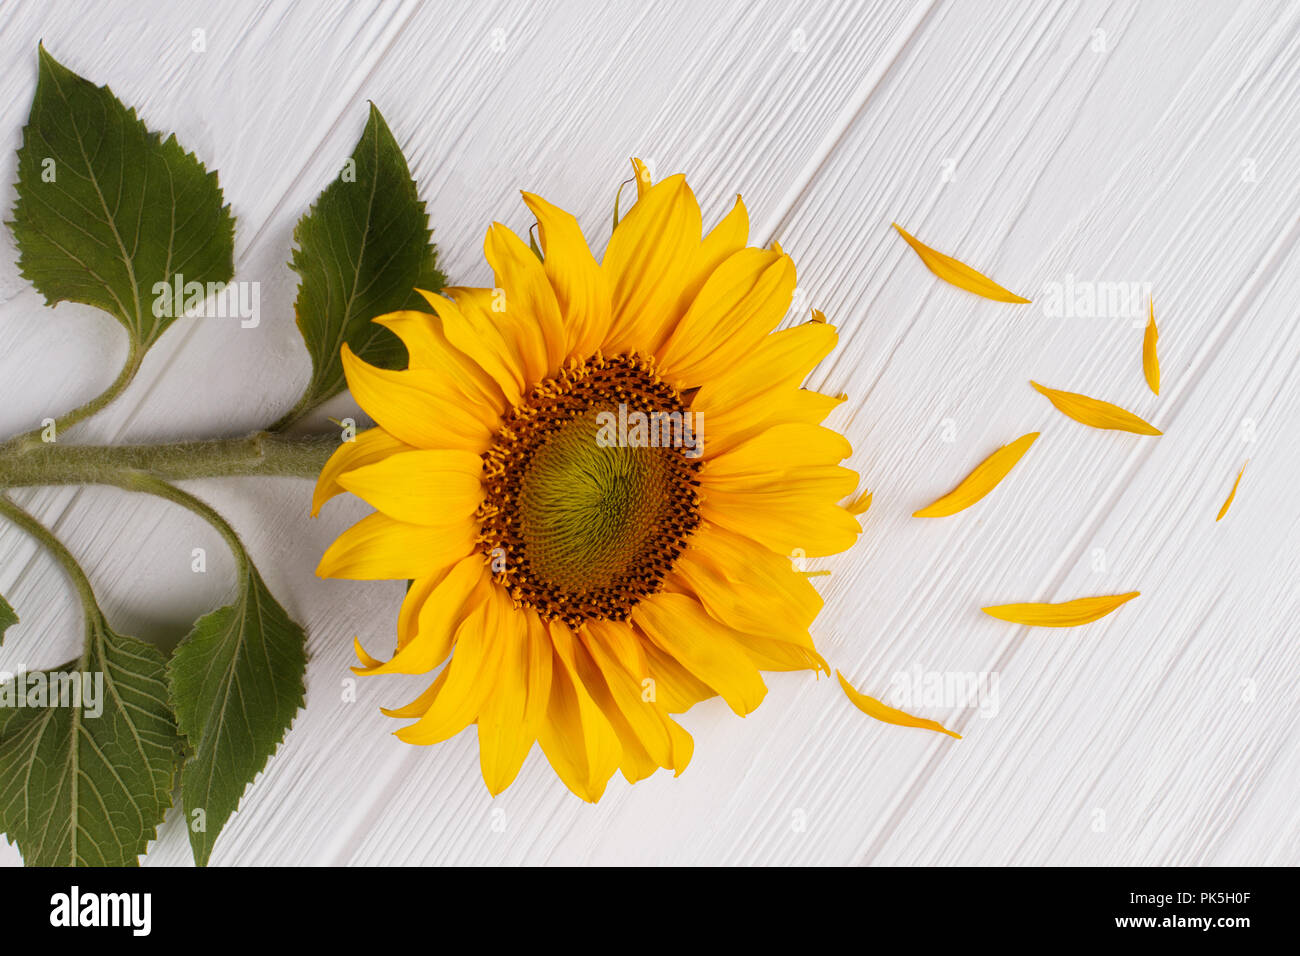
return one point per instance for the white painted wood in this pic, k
(1153, 143)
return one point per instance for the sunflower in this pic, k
(595, 476)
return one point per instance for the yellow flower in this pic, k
(595, 476)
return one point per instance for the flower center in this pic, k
(583, 514)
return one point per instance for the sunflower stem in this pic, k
(55, 547)
(25, 462)
(101, 401)
(150, 484)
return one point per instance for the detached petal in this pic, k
(890, 715)
(1096, 413)
(957, 273)
(1068, 614)
(1150, 360)
(1232, 494)
(981, 481)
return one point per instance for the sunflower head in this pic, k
(595, 475)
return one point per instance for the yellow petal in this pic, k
(423, 701)
(859, 505)
(642, 726)
(440, 616)
(1096, 413)
(774, 654)
(746, 586)
(675, 688)
(428, 347)
(474, 331)
(577, 738)
(381, 548)
(782, 452)
(511, 715)
(780, 361)
(580, 286)
(728, 237)
(425, 486)
(415, 606)
(981, 481)
(890, 715)
(743, 300)
(958, 273)
(729, 427)
(649, 253)
(786, 522)
(641, 172)
(1232, 494)
(414, 405)
(1068, 614)
(1151, 361)
(366, 448)
(532, 313)
(447, 374)
(680, 627)
(366, 660)
(472, 673)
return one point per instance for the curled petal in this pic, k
(1232, 494)
(860, 505)
(890, 715)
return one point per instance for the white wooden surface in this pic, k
(1155, 142)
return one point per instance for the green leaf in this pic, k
(84, 789)
(107, 210)
(7, 618)
(363, 250)
(236, 684)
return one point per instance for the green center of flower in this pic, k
(586, 508)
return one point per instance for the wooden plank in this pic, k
(1108, 142)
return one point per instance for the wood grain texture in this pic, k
(1042, 143)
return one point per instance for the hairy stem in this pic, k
(24, 463)
(124, 378)
(89, 606)
(142, 482)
